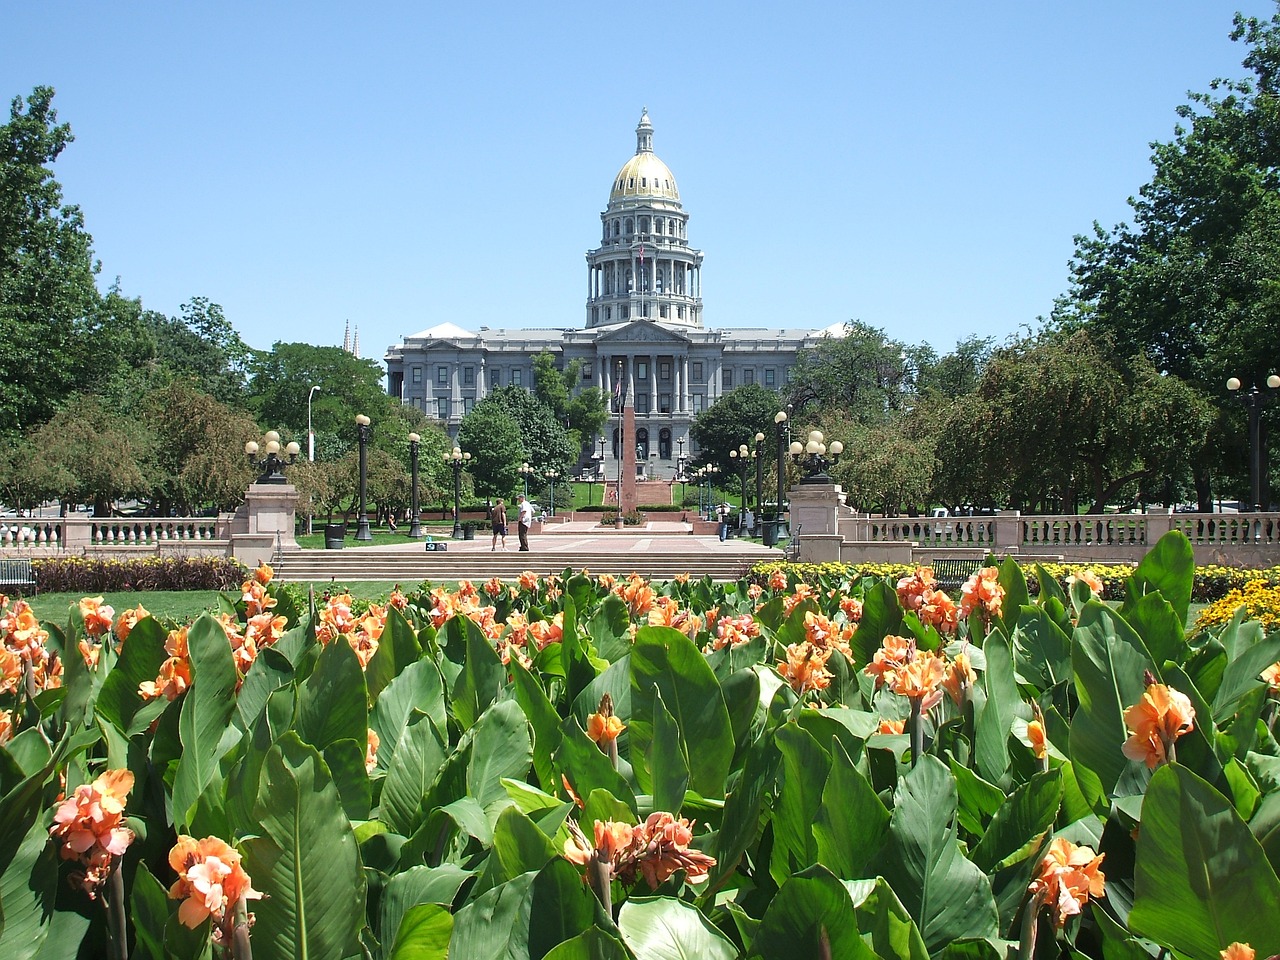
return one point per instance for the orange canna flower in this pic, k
(806, 667)
(602, 729)
(893, 654)
(397, 599)
(920, 679)
(892, 726)
(852, 608)
(173, 679)
(210, 883)
(798, 596)
(777, 581)
(89, 826)
(1036, 739)
(754, 592)
(528, 581)
(1067, 877)
(1237, 951)
(373, 741)
(637, 595)
(682, 577)
(10, 671)
(127, 620)
(96, 615)
(1155, 722)
(938, 610)
(959, 679)
(264, 573)
(1090, 579)
(1269, 676)
(983, 592)
(911, 589)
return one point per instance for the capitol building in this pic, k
(643, 337)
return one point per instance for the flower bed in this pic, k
(589, 766)
(97, 575)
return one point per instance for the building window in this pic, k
(468, 376)
(631, 185)
(617, 228)
(442, 376)
(726, 378)
(608, 313)
(642, 403)
(662, 311)
(624, 311)
(468, 404)
(595, 314)
(664, 370)
(748, 376)
(679, 313)
(699, 403)
(631, 226)
(697, 371)
(586, 373)
(417, 374)
(642, 370)
(644, 224)
(642, 444)
(664, 403)
(517, 378)
(770, 376)
(442, 408)
(664, 444)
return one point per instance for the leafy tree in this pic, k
(733, 420)
(201, 344)
(544, 443)
(1191, 282)
(47, 290)
(863, 373)
(953, 375)
(496, 442)
(583, 412)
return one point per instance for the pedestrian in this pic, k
(723, 513)
(499, 515)
(524, 518)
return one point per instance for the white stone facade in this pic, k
(643, 337)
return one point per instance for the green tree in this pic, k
(47, 292)
(582, 410)
(733, 420)
(953, 375)
(863, 373)
(544, 442)
(200, 344)
(495, 441)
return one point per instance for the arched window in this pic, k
(664, 444)
(642, 444)
(644, 224)
(617, 228)
(631, 226)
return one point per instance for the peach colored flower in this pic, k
(733, 631)
(938, 610)
(373, 741)
(637, 595)
(1089, 579)
(892, 656)
(911, 589)
(96, 615)
(494, 587)
(754, 592)
(892, 726)
(89, 652)
(336, 618)
(1067, 877)
(682, 577)
(6, 726)
(1155, 722)
(264, 573)
(174, 678)
(806, 667)
(798, 596)
(255, 597)
(821, 632)
(983, 592)
(1271, 677)
(210, 883)
(89, 826)
(851, 607)
(397, 599)
(1237, 951)
(546, 632)
(528, 580)
(777, 581)
(606, 580)
(10, 671)
(602, 729)
(655, 849)
(920, 679)
(959, 679)
(1036, 739)
(127, 620)
(667, 612)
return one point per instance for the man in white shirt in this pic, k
(525, 517)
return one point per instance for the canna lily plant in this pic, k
(581, 766)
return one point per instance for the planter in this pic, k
(468, 533)
(617, 524)
(771, 532)
(334, 534)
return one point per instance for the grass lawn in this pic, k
(382, 537)
(174, 604)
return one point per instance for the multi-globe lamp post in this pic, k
(415, 522)
(363, 434)
(526, 472)
(743, 457)
(814, 456)
(1255, 401)
(455, 459)
(782, 427)
(758, 453)
(551, 476)
(271, 467)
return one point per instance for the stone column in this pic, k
(481, 391)
(1008, 530)
(653, 383)
(684, 384)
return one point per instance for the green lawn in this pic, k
(174, 604)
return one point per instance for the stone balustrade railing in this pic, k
(1228, 538)
(108, 534)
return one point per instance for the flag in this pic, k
(617, 387)
(642, 255)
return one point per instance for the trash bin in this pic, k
(771, 532)
(334, 534)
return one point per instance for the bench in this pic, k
(953, 572)
(17, 575)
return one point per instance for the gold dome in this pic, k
(644, 175)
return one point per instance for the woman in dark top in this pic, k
(499, 525)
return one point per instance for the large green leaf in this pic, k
(1021, 823)
(1242, 676)
(594, 944)
(1109, 661)
(519, 846)
(420, 688)
(805, 767)
(811, 916)
(881, 615)
(947, 895)
(1016, 595)
(482, 676)
(140, 660)
(424, 934)
(149, 908)
(1201, 880)
(414, 767)
(667, 660)
(27, 890)
(397, 649)
(417, 885)
(270, 672)
(1042, 650)
(884, 921)
(849, 826)
(305, 862)
(1168, 567)
(578, 760)
(541, 714)
(995, 721)
(333, 705)
(664, 928)
(668, 760)
(1156, 622)
(743, 807)
(206, 712)
(500, 748)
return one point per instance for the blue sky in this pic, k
(920, 166)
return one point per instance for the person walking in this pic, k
(499, 517)
(523, 519)
(723, 513)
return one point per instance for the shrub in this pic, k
(100, 575)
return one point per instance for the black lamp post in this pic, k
(271, 467)
(525, 470)
(743, 456)
(1255, 401)
(551, 476)
(782, 426)
(456, 459)
(758, 453)
(814, 457)
(415, 523)
(363, 433)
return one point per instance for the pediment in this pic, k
(643, 331)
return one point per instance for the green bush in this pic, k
(99, 575)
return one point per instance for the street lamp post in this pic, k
(551, 476)
(814, 457)
(525, 470)
(1254, 401)
(271, 467)
(758, 453)
(783, 429)
(311, 434)
(743, 456)
(456, 459)
(415, 523)
(363, 432)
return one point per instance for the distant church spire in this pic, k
(355, 345)
(346, 338)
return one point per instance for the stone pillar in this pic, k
(815, 508)
(627, 457)
(1008, 530)
(263, 523)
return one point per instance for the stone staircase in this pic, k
(408, 569)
